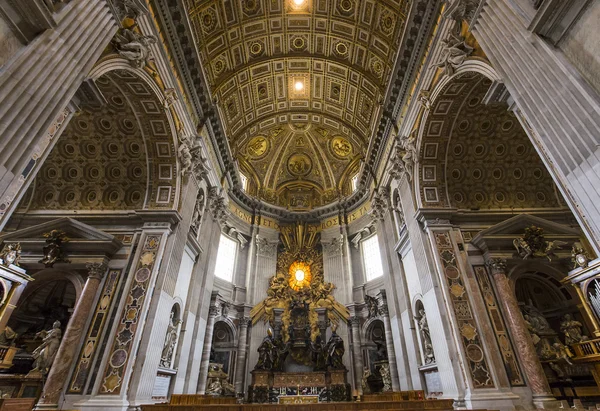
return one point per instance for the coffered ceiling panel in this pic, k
(284, 70)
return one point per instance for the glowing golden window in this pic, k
(300, 275)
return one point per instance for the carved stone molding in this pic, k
(334, 248)
(379, 205)
(265, 248)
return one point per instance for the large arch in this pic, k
(130, 137)
(465, 142)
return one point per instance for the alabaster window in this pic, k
(226, 258)
(244, 180)
(372, 258)
(355, 182)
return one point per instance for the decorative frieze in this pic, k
(82, 369)
(478, 368)
(129, 320)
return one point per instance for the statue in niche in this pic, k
(44, 354)
(52, 251)
(170, 341)
(372, 306)
(335, 351)
(218, 383)
(571, 328)
(198, 209)
(425, 337)
(536, 322)
(455, 52)
(381, 353)
(386, 376)
(134, 47)
(8, 337)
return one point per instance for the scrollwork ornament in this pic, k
(10, 254)
(213, 311)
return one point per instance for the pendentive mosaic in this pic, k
(478, 367)
(121, 349)
(86, 356)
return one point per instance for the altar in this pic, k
(298, 388)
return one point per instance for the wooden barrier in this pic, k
(17, 404)
(426, 405)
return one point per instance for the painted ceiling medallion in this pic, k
(341, 147)
(258, 147)
(299, 164)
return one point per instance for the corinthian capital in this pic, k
(496, 265)
(96, 270)
(379, 205)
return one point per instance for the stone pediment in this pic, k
(85, 242)
(499, 238)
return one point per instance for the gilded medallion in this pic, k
(299, 164)
(258, 147)
(341, 147)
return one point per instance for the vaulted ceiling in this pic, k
(299, 87)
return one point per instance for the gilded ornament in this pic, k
(341, 147)
(258, 147)
(299, 164)
(457, 290)
(468, 331)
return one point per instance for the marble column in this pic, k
(389, 342)
(356, 353)
(521, 338)
(242, 349)
(67, 351)
(208, 337)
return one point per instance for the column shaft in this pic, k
(389, 342)
(240, 367)
(208, 337)
(357, 354)
(525, 349)
(68, 347)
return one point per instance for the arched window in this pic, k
(226, 257)
(372, 258)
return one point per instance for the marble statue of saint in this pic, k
(8, 337)
(134, 47)
(571, 328)
(44, 354)
(538, 323)
(170, 341)
(425, 337)
(381, 350)
(455, 52)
